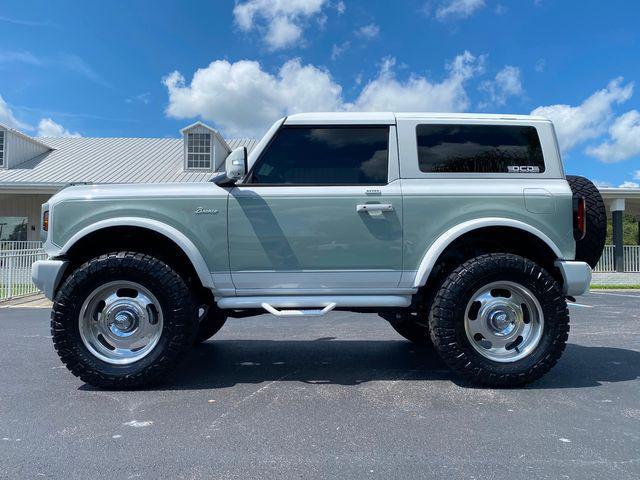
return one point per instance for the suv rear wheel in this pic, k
(211, 321)
(123, 320)
(500, 320)
(408, 325)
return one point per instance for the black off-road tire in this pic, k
(448, 311)
(211, 322)
(417, 333)
(413, 323)
(179, 320)
(589, 249)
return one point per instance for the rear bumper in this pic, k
(576, 276)
(46, 275)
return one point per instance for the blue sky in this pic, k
(148, 68)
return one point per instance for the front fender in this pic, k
(180, 239)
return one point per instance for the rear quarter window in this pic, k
(479, 149)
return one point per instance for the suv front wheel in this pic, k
(500, 320)
(123, 320)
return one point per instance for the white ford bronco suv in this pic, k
(460, 230)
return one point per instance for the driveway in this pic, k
(340, 396)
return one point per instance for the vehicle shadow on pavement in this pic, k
(224, 363)
(590, 366)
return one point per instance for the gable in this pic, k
(18, 148)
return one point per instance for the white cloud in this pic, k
(624, 139)
(281, 33)
(417, 93)
(281, 22)
(7, 118)
(629, 185)
(46, 127)
(340, 7)
(575, 125)
(27, 23)
(49, 128)
(243, 99)
(458, 9)
(601, 184)
(144, 98)
(636, 175)
(69, 62)
(507, 83)
(369, 31)
(338, 50)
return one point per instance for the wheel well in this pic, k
(493, 240)
(136, 239)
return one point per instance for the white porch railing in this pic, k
(631, 259)
(16, 261)
(607, 260)
(20, 245)
(15, 272)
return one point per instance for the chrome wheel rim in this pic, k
(504, 321)
(120, 322)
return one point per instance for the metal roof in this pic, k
(108, 160)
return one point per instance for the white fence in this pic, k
(16, 259)
(15, 272)
(607, 260)
(20, 245)
(631, 259)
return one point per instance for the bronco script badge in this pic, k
(206, 211)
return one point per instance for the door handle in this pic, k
(374, 207)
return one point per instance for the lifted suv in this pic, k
(461, 230)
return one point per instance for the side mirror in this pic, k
(235, 167)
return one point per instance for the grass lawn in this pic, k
(615, 287)
(17, 290)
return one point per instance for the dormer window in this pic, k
(199, 150)
(1, 148)
(204, 148)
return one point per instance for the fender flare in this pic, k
(173, 234)
(443, 241)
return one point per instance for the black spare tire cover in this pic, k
(589, 249)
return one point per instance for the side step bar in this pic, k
(312, 305)
(298, 313)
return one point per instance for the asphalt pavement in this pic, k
(341, 396)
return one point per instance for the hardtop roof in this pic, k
(388, 118)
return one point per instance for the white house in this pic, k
(33, 169)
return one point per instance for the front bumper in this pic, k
(46, 275)
(576, 276)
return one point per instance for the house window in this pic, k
(199, 150)
(1, 148)
(13, 229)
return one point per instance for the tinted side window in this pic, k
(325, 156)
(478, 148)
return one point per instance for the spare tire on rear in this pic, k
(589, 249)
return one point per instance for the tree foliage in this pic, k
(629, 228)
